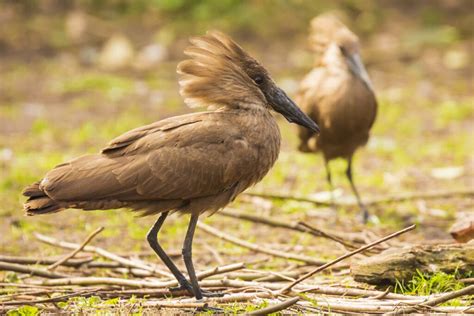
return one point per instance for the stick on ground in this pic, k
(43, 261)
(380, 200)
(77, 250)
(350, 254)
(104, 253)
(281, 224)
(4, 266)
(435, 301)
(245, 244)
(276, 307)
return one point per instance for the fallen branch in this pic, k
(220, 270)
(230, 298)
(344, 291)
(104, 253)
(350, 254)
(238, 284)
(29, 270)
(275, 308)
(281, 224)
(87, 281)
(27, 260)
(435, 301)
(77, 250)
(363, 306)
(467, 280)
(257, 248)
(380, 200)
(60, 298)
(318, 232)
(401, 264)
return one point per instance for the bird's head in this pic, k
(333, 42)
(220, 73)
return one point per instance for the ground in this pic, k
(57, 102)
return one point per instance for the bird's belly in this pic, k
(342, 132)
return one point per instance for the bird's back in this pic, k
(344, 108)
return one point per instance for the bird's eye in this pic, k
(258, 80)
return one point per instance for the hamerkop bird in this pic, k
(191, 163)
(338, 95)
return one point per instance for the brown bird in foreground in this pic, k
(191, 163)
(338, 95)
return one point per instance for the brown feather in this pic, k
(326, 29)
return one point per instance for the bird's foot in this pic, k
(366, 217)
(213, 310)
(206, 293)
(186, 286)
(183, 286)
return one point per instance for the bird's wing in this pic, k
(118, 145)
(373, 110)
(202, 158)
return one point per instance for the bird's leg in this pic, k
(331, 187)
(152, 238)
(365, 212)
(188, 260)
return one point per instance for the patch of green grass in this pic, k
(96, 304)
(424, 284)
(25, 310)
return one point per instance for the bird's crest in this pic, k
(326, 29)
(219, 73)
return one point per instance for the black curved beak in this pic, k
(286, 107)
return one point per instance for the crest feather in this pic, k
(326, 29)
(217, 73)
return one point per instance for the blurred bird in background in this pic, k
(191, 163)
(338, 95)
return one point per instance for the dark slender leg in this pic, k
(188, 260)
(188, 256)
(152, 238)
(365, 212)
(329, 178)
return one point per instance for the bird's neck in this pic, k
(333, 60)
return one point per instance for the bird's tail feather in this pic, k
(38, 202)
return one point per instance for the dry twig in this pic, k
(281, 224)
(29, 270)
(467, 280)
(60, 298)
(245, 244)
(28, 260)
(352, 253)
(435, 301)
(469, 192)
(77, 250)
(84, 281)
(276, 307)
(368, 306)
(104, 253)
